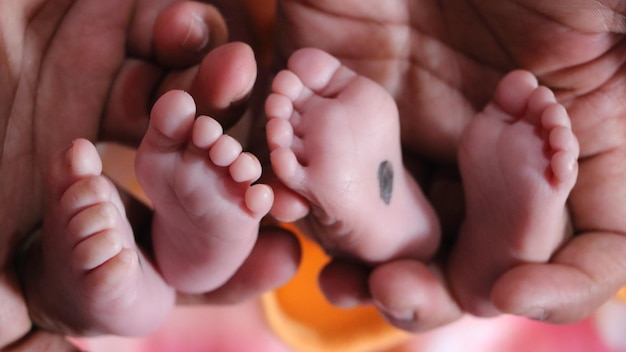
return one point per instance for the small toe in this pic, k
(246, 168)
(92, 220)
(286, 166)
(288, 205)
(279, 133)
(111, 278)
(97, 249)
(563, 139)
(539, 100)
(278, 106)
(287, 84)
(88, 192)
(564, 165)
(555, 115)
(206, 131)
(225, 151)
(259, 199)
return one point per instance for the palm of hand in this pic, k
(59, 80)
(80, 69)
(55, 82)
(441, 62)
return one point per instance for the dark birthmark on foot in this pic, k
(385, 181)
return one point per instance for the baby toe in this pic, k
(555, 115)
(259, 199)
(92, 220)
(278, 106)
(287, 84)
(206, 131)
(564, 165)
(225, 151)
(109, 281)
(97, 249)
(286, 166)
(85, 193)
(539, 100)
(563, 139)
(279, 133)
(246, 168)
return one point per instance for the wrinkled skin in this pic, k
(92, 69)
(441, 61)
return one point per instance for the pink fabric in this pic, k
(200, 329)
(243, 328)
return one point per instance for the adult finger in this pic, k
(14, 319)
(221, 83)
(345, 283)
(273, 261)
(184, 32)
(126, 116)
(587, 272)
(413, 296)
(42, 341)
(176, 33)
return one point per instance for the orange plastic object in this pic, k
(621, 294)
(301, 316)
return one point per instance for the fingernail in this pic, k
(197, 35)
(401, 316)
(536, 313)
(397, 314)
(346, 303)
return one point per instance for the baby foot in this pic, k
(334, 140)
(518, 160)
(207, 213)
(90, 278)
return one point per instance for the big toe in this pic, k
(514, 91)
(80, 160)
(314, 67)
(320, 72)
(171, 121)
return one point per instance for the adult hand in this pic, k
(442, 62)
(92, 69)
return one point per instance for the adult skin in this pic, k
(92, 69)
